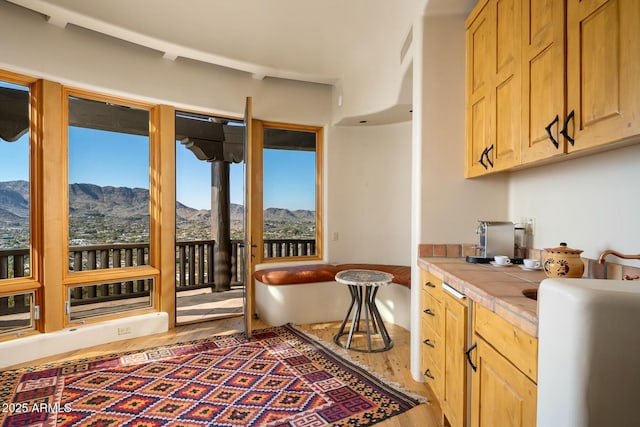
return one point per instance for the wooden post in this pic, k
(221, 225)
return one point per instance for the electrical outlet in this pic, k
(125, 330)
(335, 236)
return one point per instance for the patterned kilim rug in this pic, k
(280, 377)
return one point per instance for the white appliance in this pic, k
(588, 353)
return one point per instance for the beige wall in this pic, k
(369, 197)
(591, 203)
(450, 204)
(78, 57)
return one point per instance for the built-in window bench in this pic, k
(308, 293)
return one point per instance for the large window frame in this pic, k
(31, 284)
(90, 278)
(48, 175)
(257, 193)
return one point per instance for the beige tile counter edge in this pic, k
(498, 289)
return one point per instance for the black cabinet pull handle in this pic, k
(427, 374)
(429, 312)
(429, 343)
(468, 353)
(484, 153)
(429, 284)
(565, 131)
(548, 129)
(489, 158)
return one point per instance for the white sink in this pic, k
(589, 353)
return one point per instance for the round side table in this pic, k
(363, 286)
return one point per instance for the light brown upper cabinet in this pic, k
(603, 72)
(579, 76)
(543, 94)
(493, 87)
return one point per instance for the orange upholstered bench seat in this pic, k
(312, 273)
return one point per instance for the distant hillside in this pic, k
(278, 214)
(14, 202)
(121, 202)
(106, 214)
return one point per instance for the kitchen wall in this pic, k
(591, 203)
(369, 176)
(450, 205)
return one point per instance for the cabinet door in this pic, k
(603, 71)
(501, 394)
(543, 79)
(431, 358)
(507, 88)
(480, 57)
(432, 350)
(454, 320)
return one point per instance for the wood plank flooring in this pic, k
(392, 364)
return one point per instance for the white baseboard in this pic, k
(33, 347)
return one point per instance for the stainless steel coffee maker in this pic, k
(494, 238)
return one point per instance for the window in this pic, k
(17, 313)
(109, 158)
(103, 299)
(290, 191)
(15, 188)
(108, 175)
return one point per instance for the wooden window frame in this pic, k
(89, 277)
(32, 282)
(48, 177)
(257, 195)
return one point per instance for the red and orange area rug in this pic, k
(279, 377)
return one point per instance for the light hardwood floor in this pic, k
(392, 364)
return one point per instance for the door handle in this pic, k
(549, 134)
(429, 312)
(565, 126)
(484, 153)
(489, 158)
(468, 353)
(428, 374)
(429, 343)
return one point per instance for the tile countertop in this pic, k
(498, 289)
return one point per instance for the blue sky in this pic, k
(105, 158)
(18, 167)
(289, 180)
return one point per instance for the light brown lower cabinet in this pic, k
(502, 391)
(501, 395)
(444, 327)
(454, 337)
(505, 362)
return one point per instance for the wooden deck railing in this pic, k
(278, 248)
(194, 267)
(14, 262)
(115, 255)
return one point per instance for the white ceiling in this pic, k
(314, 41)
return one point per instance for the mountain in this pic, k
(120, 202)
(123, 214)
(279, 214)
(14, 201)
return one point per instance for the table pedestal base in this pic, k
(363, 299)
